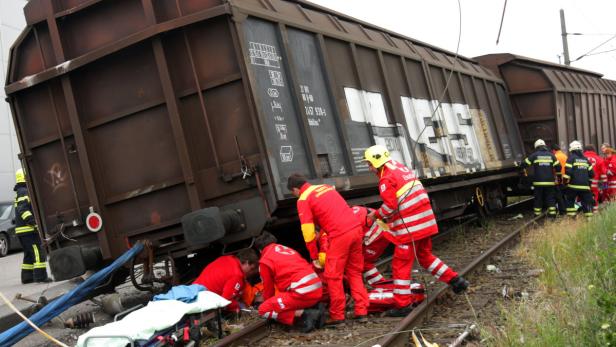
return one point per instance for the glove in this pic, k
(603, 185)
(30, 220)
(322, 257)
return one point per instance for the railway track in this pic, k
(443, 316)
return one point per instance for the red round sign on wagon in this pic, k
(94, 222)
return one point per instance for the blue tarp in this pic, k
(75, 296)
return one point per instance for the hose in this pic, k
(47, 336)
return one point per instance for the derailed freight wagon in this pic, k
(555, 102)
(180, 121)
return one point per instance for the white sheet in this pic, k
(156, 316)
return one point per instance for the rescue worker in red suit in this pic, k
(610, 165)
(411, 221)
(600, 175)
(374, 244)
(381, 297)
(321, 205)
(299, 287)
(226, 276)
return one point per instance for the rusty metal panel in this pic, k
(513, 133)
(438, 83)
(192, 6)
(44, 41)
(544, 93)
(113, 87)
(419, 85)
(397, 83)
(127, 17)
(317, 105)
(27, 60)
(285, 140)
(501, 131)
(118, 145)
(568, 119)
(521, 79)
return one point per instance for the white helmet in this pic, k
(575, 146)
(539, 143)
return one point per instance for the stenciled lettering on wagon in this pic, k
(56, 177)
(314, 111)
(263, 55)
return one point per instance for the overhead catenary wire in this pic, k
(596, 47)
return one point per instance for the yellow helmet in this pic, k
(377, 155)
(20, 176)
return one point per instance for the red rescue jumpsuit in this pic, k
(323, 206)
(299, 286)
(224, 276)
(374, 245)
(411, 223)
(600, 175)
(610, 165)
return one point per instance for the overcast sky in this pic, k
(530, 28)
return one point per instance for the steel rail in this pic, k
(258, 330)
(400, 336)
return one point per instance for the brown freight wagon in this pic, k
(179, 121)
(557, 103)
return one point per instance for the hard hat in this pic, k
(377, 155)
(20, 176)
(575, 146)
(539, 143)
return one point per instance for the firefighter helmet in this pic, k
(377, 155)
(539, 143)
(20, 176)
(575, 146)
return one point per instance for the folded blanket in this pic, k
(142, 324)
(181, 293)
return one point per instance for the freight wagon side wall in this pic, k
(557, 103)
(326, 88)
(137, 109)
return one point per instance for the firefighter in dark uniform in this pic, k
(545, 166)
(34, 268)
(578, 171)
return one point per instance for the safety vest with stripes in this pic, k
(578, 171)
(406, 205)
(545, 166)
(24, 218)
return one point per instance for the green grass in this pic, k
(574, 303)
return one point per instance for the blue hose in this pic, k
(75, 296)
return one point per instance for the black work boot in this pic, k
(26, 277)
(458, 284)
(310, 320)
(399, 312)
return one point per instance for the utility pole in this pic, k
(563, 29)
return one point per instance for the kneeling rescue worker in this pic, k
(299, 286)
(411, 221)
(226, 276)
(323, 206)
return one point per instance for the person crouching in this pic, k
(299, 287)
